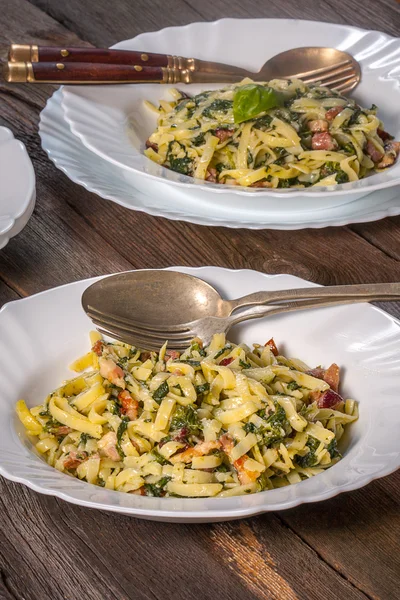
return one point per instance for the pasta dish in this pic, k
(280, 134)
(220, 420)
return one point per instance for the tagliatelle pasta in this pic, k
(280, 134)
(222, 420)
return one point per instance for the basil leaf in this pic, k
(250, 100)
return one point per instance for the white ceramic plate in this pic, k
(41, 335)
(107, 180)
(113, 122)
(17, 189)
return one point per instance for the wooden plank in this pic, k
(73, 553)
(352, 531)
(126, 21)
(384, 235)
(6, 293)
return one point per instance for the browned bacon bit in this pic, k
(333, 112)
(62, 430)
(150, 144)
(272, 347)
(97, 347)
(384, 135)
(129, 405)
(223, 134)
(140, 492)
(329, 399)
(372, 151)
(318, 372)
(74, 459)
(226, 361)
(323, 141)
(392, 150)
(144, 356)
(318, 125)
(171, 354)
(180, 435)
(261, 184)
(211, 175)
(331, 376)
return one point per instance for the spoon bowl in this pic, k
(158, 297)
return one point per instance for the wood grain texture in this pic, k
(344, 548)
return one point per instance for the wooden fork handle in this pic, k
(38, 54)
(81, 73)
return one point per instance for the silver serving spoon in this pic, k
(162, 300)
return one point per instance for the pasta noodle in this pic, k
(220, 420)
(280, 134)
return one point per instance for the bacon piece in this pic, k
(150, 144)
(226, 361)
(272, 345)
(74, 459)
(211, 175)
(329, 399)
(384, 135)
(97, 347)
(318, 125)
(261, 184)
(323, 141)
(111, 371)
(245, 476)
(330, 375)
(144, 356)
(333, 112)
(223, 134)
(62, 430)
(140, 492)
(392, 150)
(200, 449)
(171, 355)
(108, 446)
(130, 406)
(372, 151)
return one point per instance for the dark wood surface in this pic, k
(347, 547)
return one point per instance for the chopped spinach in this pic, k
(121, 430)
(309, 460)
(199, 139)
(244, 365)
(182, 164)
(84, 438)
(293, 385)
(156, 489)
(250, 428)
(333, 449)
(186, 417)
(223, 350)
(159, 458)
(203, 388)
(161, 391)
(217, 105)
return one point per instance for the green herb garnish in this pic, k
(252, 99)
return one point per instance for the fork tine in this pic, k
(328, 75)
(144, 342)
(94, 313)
(348, 86)
(322, 70)
(149, 334)
(332, 83)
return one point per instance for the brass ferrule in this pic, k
(19, 72)
(23, 53)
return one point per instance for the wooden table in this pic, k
(347, 547)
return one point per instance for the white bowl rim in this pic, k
(215, 512)
(185, 181)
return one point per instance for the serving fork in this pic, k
(42, 64)
(151, 336)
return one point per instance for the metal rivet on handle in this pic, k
(138, 68)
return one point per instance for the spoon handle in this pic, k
(258, 312)
(368, 291)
